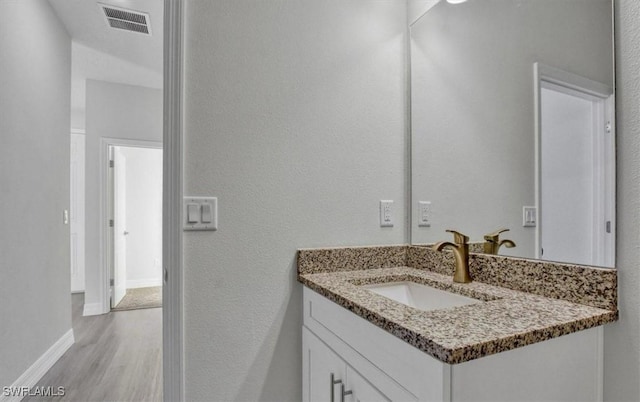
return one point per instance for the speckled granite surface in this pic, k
(315, 260)
(581, 284)
(506, 318)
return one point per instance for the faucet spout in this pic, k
(441, 245)
(460, 249)
(492, 242)
(507, 243)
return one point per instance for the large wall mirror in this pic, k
(513, 126)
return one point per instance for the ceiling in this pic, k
(107, 54)
(86, 25)
(417, 8)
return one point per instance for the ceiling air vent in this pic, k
(129, 20)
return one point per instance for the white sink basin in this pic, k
(420, 296)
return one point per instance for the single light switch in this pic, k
(529, 216)
(207, 216)
(193, 213)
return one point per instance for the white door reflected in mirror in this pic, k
(575, 174)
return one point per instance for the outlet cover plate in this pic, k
(424, 213)
(386, 213)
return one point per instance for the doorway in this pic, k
(169, 26)
(576, 199)
(134, 233)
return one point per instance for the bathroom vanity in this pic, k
(523, 330)
(496, 142)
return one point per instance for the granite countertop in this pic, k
(505, 319)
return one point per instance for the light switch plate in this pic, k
(529, 216)
(195, 208)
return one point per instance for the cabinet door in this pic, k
(322, 370)
(360, 389)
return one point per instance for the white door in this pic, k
(119, 226)
(573, 211)
(144, 216)
(77, 186)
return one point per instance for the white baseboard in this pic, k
(38, 369)
(93, 309)
(143, 283)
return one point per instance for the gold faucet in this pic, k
(492, 242)
(460, 248)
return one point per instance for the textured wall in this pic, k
(622, 339)
(35, 74)
(295, 120)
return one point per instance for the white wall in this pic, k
(295, 120)
(473, 106)
(76, 212)
(89, 63)
(113, 111)
(622, 339)
(35, 71)
(144, 216)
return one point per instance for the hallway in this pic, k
(116, 357)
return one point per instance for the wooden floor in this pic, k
(116, 357)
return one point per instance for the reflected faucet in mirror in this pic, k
(492, 242)
(460, 248)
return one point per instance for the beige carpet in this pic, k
(140, 298)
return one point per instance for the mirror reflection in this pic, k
(512, 127)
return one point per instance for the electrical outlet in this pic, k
(386, 213)
(424, 213)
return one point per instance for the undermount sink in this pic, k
(420, 296)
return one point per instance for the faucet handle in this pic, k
(458, 237)
(495, 235)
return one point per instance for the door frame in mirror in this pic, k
(546, 76)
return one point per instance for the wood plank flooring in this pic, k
(116, 357)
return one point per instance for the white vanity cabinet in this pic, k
(377, 366)
(330, 378)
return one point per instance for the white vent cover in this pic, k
(129, 20)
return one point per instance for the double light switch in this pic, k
(200, 213)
